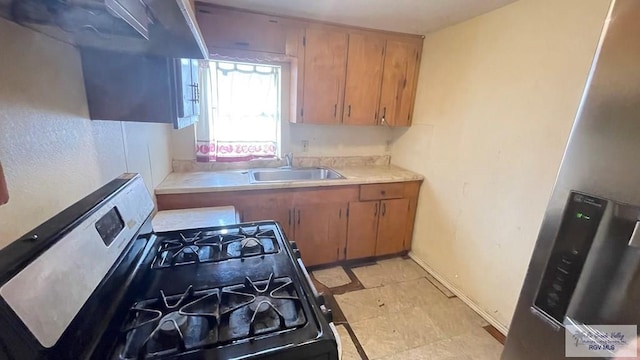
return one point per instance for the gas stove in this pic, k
(95, 282)
(199, 246)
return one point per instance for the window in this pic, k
(242, 112)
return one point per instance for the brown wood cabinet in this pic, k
(225, 28)
(324, 75)
(364, 77)
(328, 224)
(320, 232)
(399, 80)
(363, 229)
(339, 74)
(367, 79)
(316, 218)
(381, 223)
(392, 226)
(282, 214)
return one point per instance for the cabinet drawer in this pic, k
(382, 191)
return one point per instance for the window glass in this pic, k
(244, 111)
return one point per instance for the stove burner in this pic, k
(250, 242)
(260, 307)
(172, 321)
(260, 304)
(171, 324)
(211, 246)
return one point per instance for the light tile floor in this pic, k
(349, 351)
(332, 277)
(401, 315)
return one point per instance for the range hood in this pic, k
(155, 27)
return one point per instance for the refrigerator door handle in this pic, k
(634, 240)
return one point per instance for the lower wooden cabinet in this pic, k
(320, 232)
(377, 228)
(328, 224)
(282, 215)
(392, 226)
(363, 229)
(381, 222)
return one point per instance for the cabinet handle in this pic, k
(384, 209)
(335, 110)
(349, 112)
(383, 120)
(375, 213)
(195, 92)
(298, 217)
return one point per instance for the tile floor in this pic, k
(396, 312)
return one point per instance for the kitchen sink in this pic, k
(293, 174)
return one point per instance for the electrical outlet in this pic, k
(305, 145)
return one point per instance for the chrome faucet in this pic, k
(288, 157)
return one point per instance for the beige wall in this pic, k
(496, 99)
(51, 153)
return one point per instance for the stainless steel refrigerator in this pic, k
(585, 268)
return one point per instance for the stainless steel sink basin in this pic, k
(293, 174)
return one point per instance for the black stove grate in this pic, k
(255, 308)
(194, 247)
(171, 325)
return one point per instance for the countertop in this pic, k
(170, 220)
(211, 181)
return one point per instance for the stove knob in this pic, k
(293, 245)
(320, 299)
(327, 313)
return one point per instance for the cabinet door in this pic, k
(232, 29)
(362, 229)
(195, 81)
(364, 77)
(283, 215)
(324, 74)
(319, 231)
(392, 226)
(186, 88)
(399, 78)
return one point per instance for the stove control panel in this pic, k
(53, 284)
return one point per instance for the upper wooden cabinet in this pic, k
(364, 76)
(399, 81)
(232, 29)
(338, 74)
(324, 75)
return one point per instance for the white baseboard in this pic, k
(485, 315)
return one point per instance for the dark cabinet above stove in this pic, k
(128, 87)
(165, 28)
